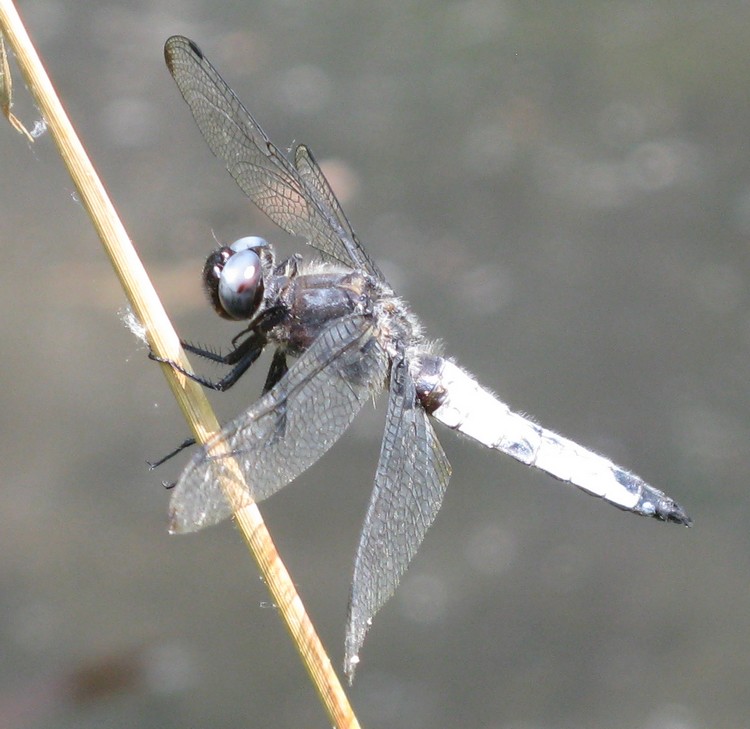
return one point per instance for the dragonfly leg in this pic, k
(240, 359)
(276, 371)
(185, 444)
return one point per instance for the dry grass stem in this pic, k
(165, 343)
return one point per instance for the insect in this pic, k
(340, 335)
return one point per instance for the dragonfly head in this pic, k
(234, 277)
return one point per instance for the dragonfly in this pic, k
(340, 336)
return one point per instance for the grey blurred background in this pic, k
(562, 191)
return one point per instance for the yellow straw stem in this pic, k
(165, 343)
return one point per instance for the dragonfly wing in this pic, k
(263, 173)
(310, 171)
(410, 482)
(286, 431)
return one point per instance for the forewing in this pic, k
(263, 173)
(287, 430)
(410, 482)
(317, 182)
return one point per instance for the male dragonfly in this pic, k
(349, 338)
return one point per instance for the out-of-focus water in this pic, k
(562, 191)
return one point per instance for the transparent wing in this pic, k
(263, 173)
(287, 430)
(410, 482)
(310, 171)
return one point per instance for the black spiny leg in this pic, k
(185, 444)
(240, 359)
(276, 371)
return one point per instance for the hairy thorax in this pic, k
(317, 298)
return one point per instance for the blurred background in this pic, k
(562, 192)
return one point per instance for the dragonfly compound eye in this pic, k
(241, 284)
(250, 241)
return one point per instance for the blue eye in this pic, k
(240, 289)
(250, 241)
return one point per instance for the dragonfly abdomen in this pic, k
(457, 400)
